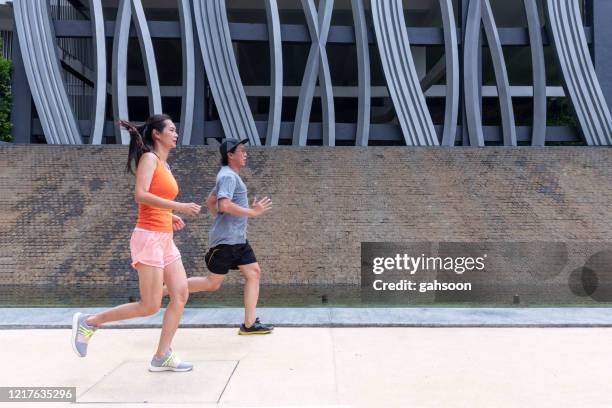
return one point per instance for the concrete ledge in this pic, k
(60, 318)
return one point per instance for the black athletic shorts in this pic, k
(222, 258)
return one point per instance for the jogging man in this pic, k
(227, 240)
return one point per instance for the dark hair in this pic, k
(225, 158)
(141, 138)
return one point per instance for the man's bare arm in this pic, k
(211, 204)
(257, 208)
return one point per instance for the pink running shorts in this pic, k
(153, 248)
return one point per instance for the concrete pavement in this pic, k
(323, 367)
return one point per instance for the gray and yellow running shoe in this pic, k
(169, 362)
(256, 328)
(81, 333)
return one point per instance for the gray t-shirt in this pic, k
(229, 229)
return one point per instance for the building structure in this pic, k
(291, 72)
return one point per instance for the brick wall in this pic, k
(66, 213)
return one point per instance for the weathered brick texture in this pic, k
(66, 213)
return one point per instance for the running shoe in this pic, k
(255, 328)
(269, 325)
(169, 362)
(81, 333)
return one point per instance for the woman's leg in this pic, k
(150, 281)
(176, 281)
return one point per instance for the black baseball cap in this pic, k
(229, 145)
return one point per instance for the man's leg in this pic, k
(252, 325)
(252, 274)
(209, 283)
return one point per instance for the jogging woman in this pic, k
(154, 254)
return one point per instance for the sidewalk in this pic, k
(325, 366)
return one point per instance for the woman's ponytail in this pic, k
(138, 146)
(141, 138)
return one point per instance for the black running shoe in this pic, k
(269, 325)
(256, 328)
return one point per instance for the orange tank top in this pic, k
(162, 185)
